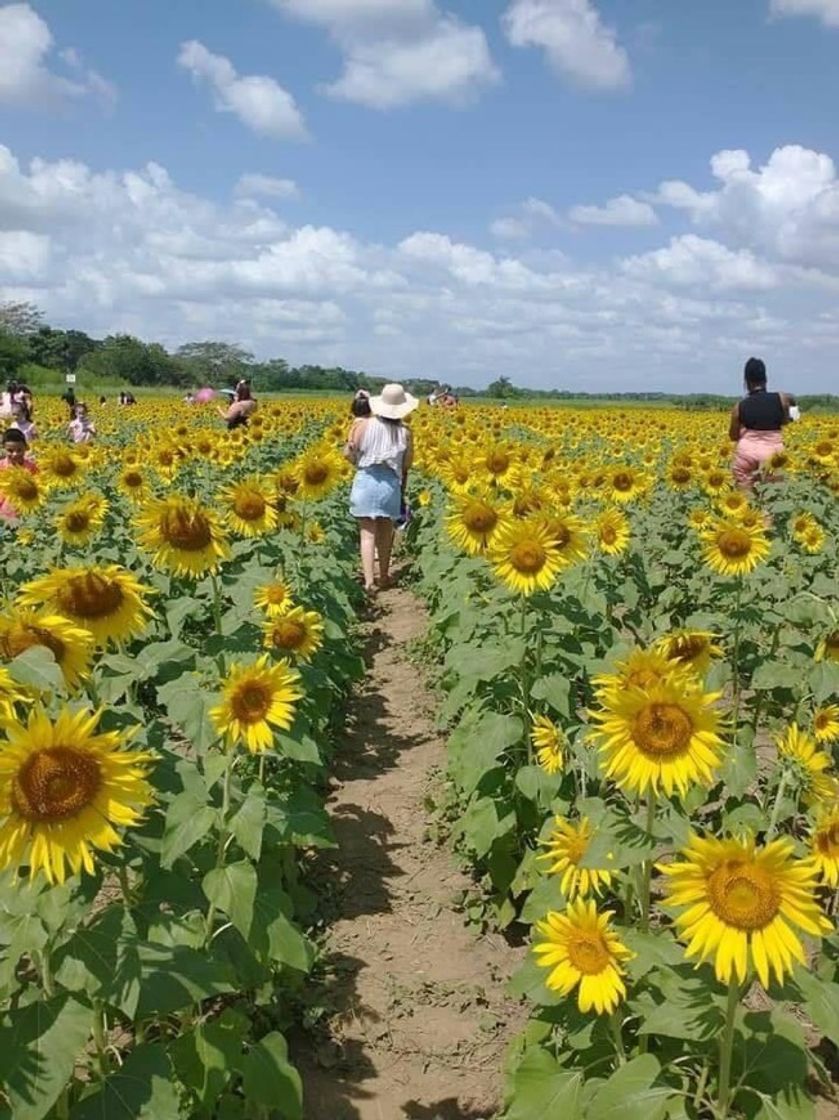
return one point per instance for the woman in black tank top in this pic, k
(756, 424)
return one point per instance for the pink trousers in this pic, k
(754, 449)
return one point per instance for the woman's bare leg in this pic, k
(384, 544)
(367, 534)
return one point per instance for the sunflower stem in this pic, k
(702, 1085)
(735, 658)
(776, 808)
(647, 874)
(222, 838)
(100, 1038)
(773, 649)
(46, 973)
(727, 1048)
(525, 685)
(617, 1035)
(125, 886)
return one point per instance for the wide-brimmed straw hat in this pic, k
(393, 403)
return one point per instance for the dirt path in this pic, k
(416, 1022)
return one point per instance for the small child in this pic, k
(15, 448)
(81, 427)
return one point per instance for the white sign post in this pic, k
(70, 378)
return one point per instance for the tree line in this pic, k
(33, 351)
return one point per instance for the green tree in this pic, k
(14, 351)
(214, 361)
(62, 350)
(129, 359)
(20, 318)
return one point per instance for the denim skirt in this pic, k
(376, 492)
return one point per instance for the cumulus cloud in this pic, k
(25, 78)
(621, 211)
(530, 215)
(691, 261)
(260, 103)
(787, 209)
(509, 229)
(579, 46)
(397, 52)
(254, 185)
(106, 250)
(825, 10)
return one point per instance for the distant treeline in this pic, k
(39, 354)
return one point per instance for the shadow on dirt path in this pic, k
(416, 1018)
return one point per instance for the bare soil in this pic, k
(415, 1021)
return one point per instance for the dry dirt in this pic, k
(417, 1022)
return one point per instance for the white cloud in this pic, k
(577, 42)
(260, 103)
(692, 261)
(25, 78)
(826, 10)
(621, 211)
(254, 185)
(787, 209)
(509, 229)
(397, 52)
(106, 251)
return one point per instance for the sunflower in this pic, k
(742, 904)
(566, 531)
(813, 541)
(65, 790)
(665, 737)
(549, 743)
(61, 468)
(498, 460)
(625, 484)
(106, 600)
(424, 498)
(132, 482)
(319, 470)
(809, 765)
(10, 695)
(256, 698)
(824, 845)
(70, 645)
(581, 949)
(274, 598)
(715, 482)
(297, 633)
(473, 523)
(566, 847)
(611, 531)
(22, 489)
(733, 503)
(690, 649)
(731, 548)
(826, 724)
(525, 557)
(680, 476)
(828, 647)
(700, 518)
(82, 519)
(249, 509)
(185, 537)
(801, 524)
(643, 668)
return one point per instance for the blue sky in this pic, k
(602, 194)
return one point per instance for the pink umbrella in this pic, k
(204, 395)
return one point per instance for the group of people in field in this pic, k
(380, 447)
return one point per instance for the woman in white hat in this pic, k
(382, 450)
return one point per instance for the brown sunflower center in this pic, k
(55, 784)
(734, 543)
(27, 490)
(479, 518)
(680, 475)
(20, 638)
(460, 475)
(250, 703)
(132, 479)
(623, 481)
(90, 595)
(276, 594)
(497, 462)
(588, 953)
(687, 648)
(316, 473)
(185, 529)
(608, 535)
(743, 895)
(662, 729)
(77, 521)
(250, 506)
(528, 557)
(827, 840)
(288, 634)
(64, 466)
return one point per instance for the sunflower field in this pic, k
(176, 640)
(637, 668)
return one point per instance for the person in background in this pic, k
(81, 427)
(381, 449)
(103, 399)
(14, 455)
(69, 398)
(240, 409)
(23, 421)
(756, 425)
(360, 407)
